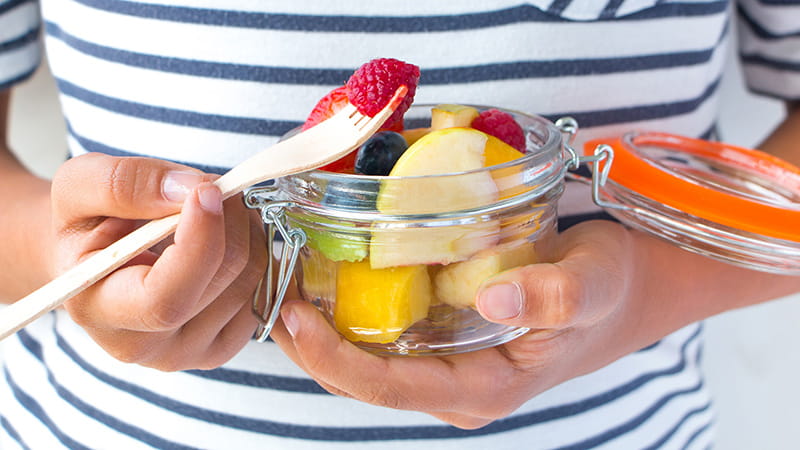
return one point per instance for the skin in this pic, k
(183, 304)
(186, 306)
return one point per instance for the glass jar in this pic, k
(394, 263)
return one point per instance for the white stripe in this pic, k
(786, 50)
(19, 61)
(778, 19)
(18, 21)
(150, 138)
(775, 82)
(322, 50)
(632, 6)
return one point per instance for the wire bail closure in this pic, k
(274, 217)
(603, 152)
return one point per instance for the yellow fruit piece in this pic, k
(378, 305)
(457, 284)
(451, 150)
(449, 116)
(498, 152)
(411, 135)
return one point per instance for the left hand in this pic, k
(579, 310)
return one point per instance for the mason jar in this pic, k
(395, 263)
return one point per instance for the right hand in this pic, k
(184, 304)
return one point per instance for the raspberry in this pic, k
(502, 126)
(373, 84)
(327, 106)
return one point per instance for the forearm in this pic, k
(24, 222)
(676, 287)
(784, 142)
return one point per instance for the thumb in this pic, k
(95, 185)
(582, 286)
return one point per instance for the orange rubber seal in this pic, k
(638, 175)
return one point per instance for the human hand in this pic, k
(579, 309)
(184, 304)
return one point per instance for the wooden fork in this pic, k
(315, 147)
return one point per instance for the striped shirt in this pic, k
(208, 82)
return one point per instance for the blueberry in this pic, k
(378, 155)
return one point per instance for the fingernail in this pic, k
(501, 301)
(210, 198)
(177, 185)
(290, 321)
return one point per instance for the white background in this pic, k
(751, 355)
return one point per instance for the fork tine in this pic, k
(383, 114)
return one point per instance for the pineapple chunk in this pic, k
(449, 116)
(457, 284)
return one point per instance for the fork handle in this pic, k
(50, 296)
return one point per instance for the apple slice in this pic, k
(446, 151)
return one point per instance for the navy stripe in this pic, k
(30, 404)
(775, 95)
(568, 221)
(20, 41)
(633, 423)
(380, 433)
(12, 432)
(697, 434)
(31, 344)
(94, 146)
(5, 84)
(216, 122)
(610, 10)
(337, 77)
(760, 60)
(642, 112)
(8, 6)
(372, 24)
(241, 377)
(759, 30)
(558, 6)
(660, 442)
(110, 421)
(779, 2)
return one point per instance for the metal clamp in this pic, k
(273, 216)
(603, 152)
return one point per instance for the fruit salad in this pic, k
(407, 239)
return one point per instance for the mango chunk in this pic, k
(378, 305)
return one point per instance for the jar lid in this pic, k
(736, 204)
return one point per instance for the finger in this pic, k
(97, 185)
(166, 295)
(581, 287)
(421, 384)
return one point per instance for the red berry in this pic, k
(502, 126)
(326, 107)
(373, 84)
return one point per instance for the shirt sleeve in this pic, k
(20, 41)
(769, 46)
